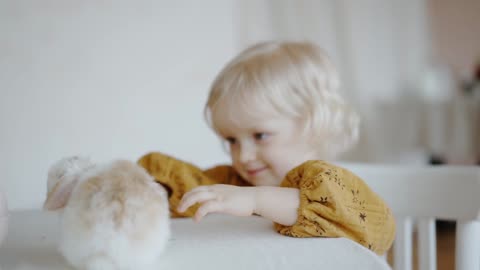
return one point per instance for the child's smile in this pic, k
(264, 145)
(255, 172)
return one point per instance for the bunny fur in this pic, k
(113, 216)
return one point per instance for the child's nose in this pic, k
(247, 153)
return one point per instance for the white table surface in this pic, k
(218, 242)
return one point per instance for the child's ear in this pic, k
(58, 197)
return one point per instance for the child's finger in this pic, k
(193, 198)
(208, 207)
(199, 188)
(196, 190)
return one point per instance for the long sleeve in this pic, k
(336, 203)
(179, 177)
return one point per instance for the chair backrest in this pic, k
(420, 195)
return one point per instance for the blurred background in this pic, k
(116, 79)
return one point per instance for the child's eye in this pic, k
(230, 140)
(260, 136)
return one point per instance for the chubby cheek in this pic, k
(283, 162)
(281, 169)
(278, 163)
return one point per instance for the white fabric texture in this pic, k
(217, 242)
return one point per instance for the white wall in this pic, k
(116, 79)
(105, 79)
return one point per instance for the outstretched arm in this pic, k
(179, 177)
(277, 204)
(316, 199)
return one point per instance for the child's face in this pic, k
(263, 147)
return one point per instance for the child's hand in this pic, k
(228, 199)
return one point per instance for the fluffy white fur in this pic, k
(115, 216)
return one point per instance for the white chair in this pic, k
(418, 196)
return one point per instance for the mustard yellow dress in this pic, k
(333, 201)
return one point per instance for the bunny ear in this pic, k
(58, 197)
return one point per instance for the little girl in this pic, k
(277, 107)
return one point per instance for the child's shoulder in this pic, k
(319, 166)
(320, 169)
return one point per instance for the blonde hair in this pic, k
(295, 79)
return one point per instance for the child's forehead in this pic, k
(235, 117)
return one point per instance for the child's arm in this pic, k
(278, 204)
(316, 199)
(179, 177)
(336, 203)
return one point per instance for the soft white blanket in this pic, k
(217, 242)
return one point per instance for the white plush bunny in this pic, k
(115, 216)
(3, 217)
